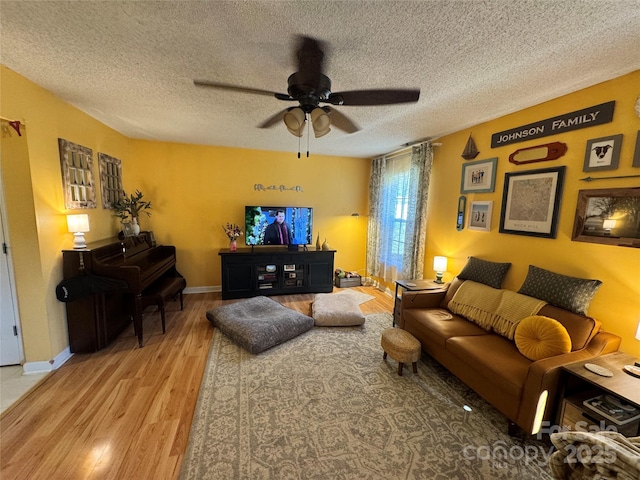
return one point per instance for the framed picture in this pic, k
(610, 216)
(531, 202)
(602, 154)
(479, 176)
(76, 163)
(636, 155)
(480, 216)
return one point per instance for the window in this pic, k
(395, 210)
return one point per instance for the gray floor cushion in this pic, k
(259, 323)
(335, 310)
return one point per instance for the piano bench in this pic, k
(161, 291)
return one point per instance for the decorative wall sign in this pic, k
(531, 202)
(602, 154)
(76, 163)
(480, 216)
(587, 117)
(610, 216)
(540, 153)
(282, 188)
(479, 176)
(110, 179)
(636, 155)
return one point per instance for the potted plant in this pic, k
(131, 206)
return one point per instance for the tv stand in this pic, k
(249, 272)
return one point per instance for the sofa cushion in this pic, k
(438, 324)
(571, 293)
(581, 328)
(539, 337)
(493, 356)
(484, 271)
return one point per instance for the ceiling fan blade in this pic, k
(235, 88)
(274, 119)
(374, 97)
(340, 121)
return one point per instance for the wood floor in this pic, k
(125, 412)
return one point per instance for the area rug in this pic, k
(359, 296)
(325, 405)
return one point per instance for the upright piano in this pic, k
(94, 320)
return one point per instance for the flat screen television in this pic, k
(265, 225)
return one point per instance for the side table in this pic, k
(581, 384)
(412, 286)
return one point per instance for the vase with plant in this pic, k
(132, 206)
(233, 232)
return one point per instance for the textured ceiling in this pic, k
(131, 64)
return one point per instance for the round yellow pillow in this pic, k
(540, 337)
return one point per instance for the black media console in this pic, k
(275, 271)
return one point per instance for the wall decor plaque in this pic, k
(540, 153)
(587, 117)
(110, 179)
(76, 163)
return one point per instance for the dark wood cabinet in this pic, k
(275, 271)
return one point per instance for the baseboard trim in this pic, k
(43, 367)
(206, 289)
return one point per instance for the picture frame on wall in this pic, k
(608, 216)
(531, 202)
(479, 176)
(480, 216)
(602, 153)
(636, 154)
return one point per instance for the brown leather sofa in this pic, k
(491, 364)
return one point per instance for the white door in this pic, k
(10, 351)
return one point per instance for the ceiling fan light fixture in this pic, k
(294, 119)
(321, 122)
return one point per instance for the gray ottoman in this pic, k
(259, 323)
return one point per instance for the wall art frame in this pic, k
(531, 202)
(76, 164)
(609, 216)
(480, 216)
(479, 176)
(110, 179)
(602, 153)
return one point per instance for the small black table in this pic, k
(412, 286)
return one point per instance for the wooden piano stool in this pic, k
(160, 292)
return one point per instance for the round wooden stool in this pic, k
(402, 347)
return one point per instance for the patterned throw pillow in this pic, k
(571, 293)
(484, 271)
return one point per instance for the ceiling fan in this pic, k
(309, 86)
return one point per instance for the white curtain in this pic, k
(398, 192)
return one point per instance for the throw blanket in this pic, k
(598, 455)
(493, 309)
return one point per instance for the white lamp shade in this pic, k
(440, 264)
(320, 121)
(78, 223)
(294, 119)
(638, 332)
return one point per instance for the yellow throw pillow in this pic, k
(540, 337)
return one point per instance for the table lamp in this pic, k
(78, 224)
(440, 266)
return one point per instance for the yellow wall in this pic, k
(617, 303)
(196, 189)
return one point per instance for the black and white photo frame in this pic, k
(602, 153)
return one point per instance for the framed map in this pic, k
(531, 202)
